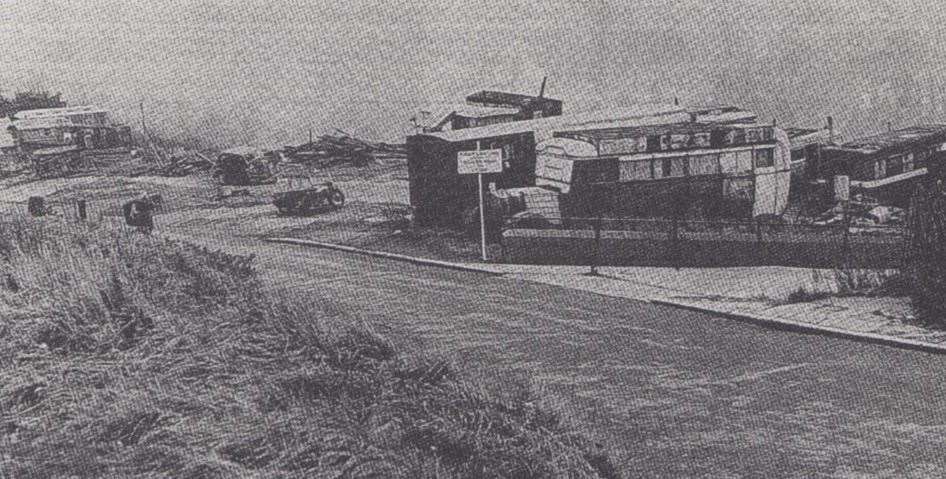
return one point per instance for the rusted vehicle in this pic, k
(306, 197)
(244, 166)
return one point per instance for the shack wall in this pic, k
(440, 196)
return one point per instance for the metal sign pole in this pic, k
(479, 177)
(482, 218)
(480, 162)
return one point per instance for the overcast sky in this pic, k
(266, 71)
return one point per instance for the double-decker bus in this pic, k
(702, 170)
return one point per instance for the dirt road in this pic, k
(680, 393)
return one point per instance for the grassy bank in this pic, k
(125, 355)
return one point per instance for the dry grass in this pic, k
(871, 282)
(856, 282)
(124, 355)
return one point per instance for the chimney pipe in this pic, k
(676, 101)
(830, 129)
(542, 90)
(889, 126)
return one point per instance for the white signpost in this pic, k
(479, 162)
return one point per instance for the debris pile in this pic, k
(186, 163)
(862, 211)
(330, 150)
(57, 161)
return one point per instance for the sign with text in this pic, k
(481, 161)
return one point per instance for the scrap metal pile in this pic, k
(330, 150)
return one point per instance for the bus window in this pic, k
(763, 158)
(679, 142)
(635, 170)
(753, 135)
(704, 165)
(895, 165)
(735, 137)
(880, 169)
(798, 155)
(701, 140)
(743, 161)
(727, 163)
(671, 167)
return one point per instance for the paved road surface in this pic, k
(680, 393)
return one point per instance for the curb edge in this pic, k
(382, 254)
(809, 328)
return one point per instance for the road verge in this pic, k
(470, 268)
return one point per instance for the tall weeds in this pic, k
(125, 355)
(927, 266)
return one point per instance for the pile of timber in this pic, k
(329, 150)
(186, 163)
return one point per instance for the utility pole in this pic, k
(144, 128)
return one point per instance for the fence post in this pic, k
(675, 242)
(595, 259)
(596, 252)
(81, 209)
(846, 254)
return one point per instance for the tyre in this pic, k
(336, 198)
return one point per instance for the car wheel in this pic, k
(336, 198)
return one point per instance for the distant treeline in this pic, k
(29, 100)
